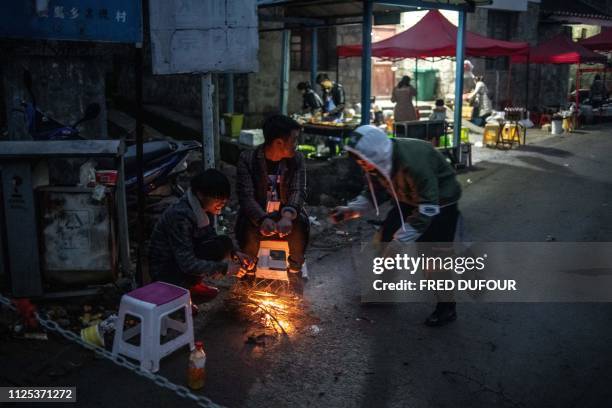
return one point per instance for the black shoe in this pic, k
(444, 314)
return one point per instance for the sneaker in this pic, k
(444, 314)
(203, 292)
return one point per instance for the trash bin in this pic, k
(425, 80)
(557, 126)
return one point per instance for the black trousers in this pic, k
(441, 229)
(248, 237)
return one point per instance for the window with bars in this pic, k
(301, 46)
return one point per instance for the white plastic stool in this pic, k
(272, 261)
(152, 304)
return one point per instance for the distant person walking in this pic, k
(403, 94)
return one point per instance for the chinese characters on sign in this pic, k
(90, 20)
(73, 13)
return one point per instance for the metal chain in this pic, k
(7, 302)
(121, 361)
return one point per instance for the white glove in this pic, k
(409, 235)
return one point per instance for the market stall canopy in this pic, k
(600, 42)
(435, 36)
(334, 9)
(560, 50)
(574, 12)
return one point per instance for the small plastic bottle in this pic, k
(196, 373)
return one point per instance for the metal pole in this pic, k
(216, 115)
(314, 57)
(140, 165)
(337, 68)
(366, 62)
(208, 125)
(122, 221)
(416, 85)
(459, 57)
(284, 85)
(229, 93)
(577, 87)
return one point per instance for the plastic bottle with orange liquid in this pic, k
(196, 373)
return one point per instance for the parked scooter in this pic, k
(163, 161)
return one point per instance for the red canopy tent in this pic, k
(599, 42)
(560, 50)
(435, 36)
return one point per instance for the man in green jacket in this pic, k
(422, 187)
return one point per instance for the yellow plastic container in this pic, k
(447, 140)
(511, 133)
(92, 335)
(233, 124)
(489, 136)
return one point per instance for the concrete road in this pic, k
(501, 355)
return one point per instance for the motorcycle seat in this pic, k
(150, 152)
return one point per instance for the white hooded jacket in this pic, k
(423, 178)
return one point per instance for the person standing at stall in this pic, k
(402, 95)
(479, 99)
(311, 101)
(333, 97)
(469, 79)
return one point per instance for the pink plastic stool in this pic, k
(153, 304)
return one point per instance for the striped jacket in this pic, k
(252, 184)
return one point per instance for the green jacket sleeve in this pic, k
(422, 178)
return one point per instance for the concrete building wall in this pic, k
(264, 86)
(547, 84)
(64, 84)
(181, 92)
(349, 69)
(66, 78)
(551, 82)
